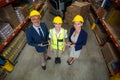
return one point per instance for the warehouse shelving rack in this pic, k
(5, 2)
(106, 27)
(11, 37)
(38, 7)
(16, 30)
(20, 26)
(97, 12)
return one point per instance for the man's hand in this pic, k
(40, 44)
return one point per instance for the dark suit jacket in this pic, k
(82, 38)
(33, 38)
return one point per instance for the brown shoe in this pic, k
(68, 63)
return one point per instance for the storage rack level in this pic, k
(16, 31)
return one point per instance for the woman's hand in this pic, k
(73, 45)
(68, 43)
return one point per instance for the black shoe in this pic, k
(59, 60)
(44, 67)
(48, 58)
(56, 60)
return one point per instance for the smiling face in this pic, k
(57, 26)
(35, 20)
(78, 25)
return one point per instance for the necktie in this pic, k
(40, 32)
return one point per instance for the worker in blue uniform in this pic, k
(37, 35)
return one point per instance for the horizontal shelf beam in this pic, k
(5, 2)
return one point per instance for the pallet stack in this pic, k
(22, 12)
(81, 8)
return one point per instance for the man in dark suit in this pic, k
(36, 35)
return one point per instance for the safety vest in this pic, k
(57, 43)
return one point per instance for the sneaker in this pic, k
(44, 67)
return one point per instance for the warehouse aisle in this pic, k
(90, 65)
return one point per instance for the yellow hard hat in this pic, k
(78, 18)
(57, 19)
(34, 13)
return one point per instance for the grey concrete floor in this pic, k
(89, 66)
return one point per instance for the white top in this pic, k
(74, 37)
(36, 28)
(58, 34)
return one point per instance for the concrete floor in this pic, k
(90, 65)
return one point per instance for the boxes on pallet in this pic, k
(8, 15)
(5, 30)
(22, 12)
(20, 16)
(76, 8)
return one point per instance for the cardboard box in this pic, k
(81, 8)
(23, 9)
(8, 15)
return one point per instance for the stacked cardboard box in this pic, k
(101, 35)
(76, 8)
(5, 30)
(8, 15)
(22, 12)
